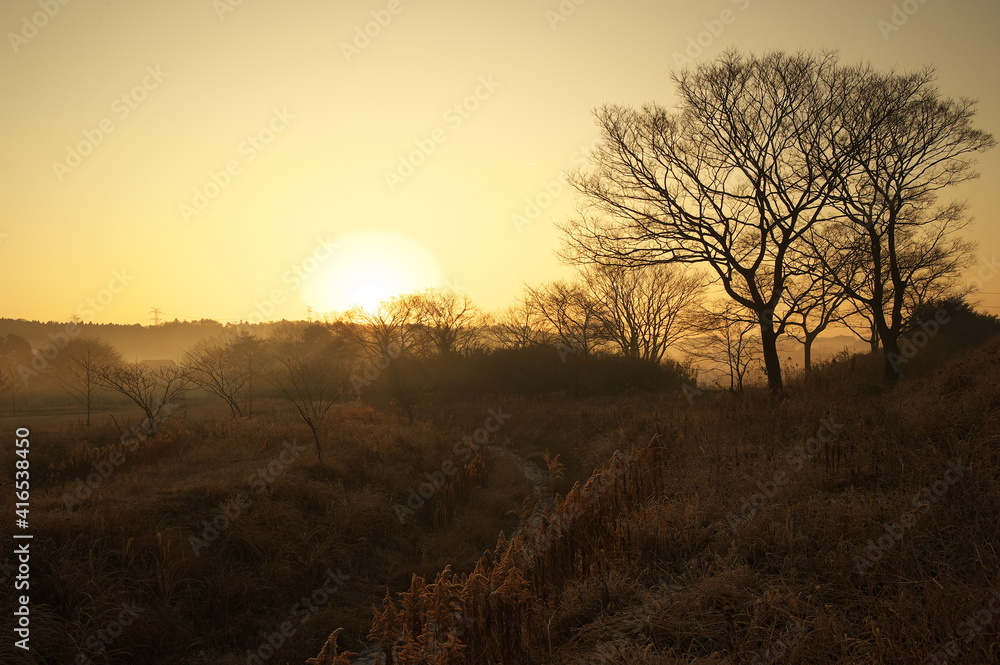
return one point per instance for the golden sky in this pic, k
(247, 159)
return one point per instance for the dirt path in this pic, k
(538, 476)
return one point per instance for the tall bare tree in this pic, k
(931, 263)
(392, 327)
(517, 326)
(448, 320)
(906, 145)
(571, 315)
(727, 181)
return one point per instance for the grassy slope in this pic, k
(789, 584)
(688, 576)
(130, 542)
(684, 586)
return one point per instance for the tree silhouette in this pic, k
(78, 366)
(308, 370)
(571, 315)
(226, 367)
(729, 338)
(517, 326)
(448, 320)
(648, 309)
(812, 301)
(904, 145)
(155, 390)
(727, 180)
(768, 153)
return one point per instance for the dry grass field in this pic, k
(846, 523)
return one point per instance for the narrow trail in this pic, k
(538, 476)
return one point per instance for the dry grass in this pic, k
(650, 565)
(131, 541)
(650, 560)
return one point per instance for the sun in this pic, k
(368, 267)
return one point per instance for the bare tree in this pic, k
(308, 370)
(517, 326)
(907, 144)
(727, 181)
(572, 315)
(859, 320)
(155, 390)
(392, 326)
(730, 338)
(448, 320)
(226, 367)
(646, 310)
(78, 366)
(812, 301)
(931, 264)
(247, 352)
(215, 367)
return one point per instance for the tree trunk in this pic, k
(250, 395)
(891, 358)
(316, 438)
(772, 361)
(151, 420)
(89, 390)
(807, 356)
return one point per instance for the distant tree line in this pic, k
(606, 332)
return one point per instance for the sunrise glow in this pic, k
(370, 266)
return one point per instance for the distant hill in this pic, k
(823, 348)
(167, 341)
(170, 340)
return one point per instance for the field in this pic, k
(846, 523)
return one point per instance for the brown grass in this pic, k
(130, 542)
(649, 568)
(638, 562)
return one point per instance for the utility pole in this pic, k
(156, 311)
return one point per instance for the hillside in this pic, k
(844, 525)
(848, 522)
